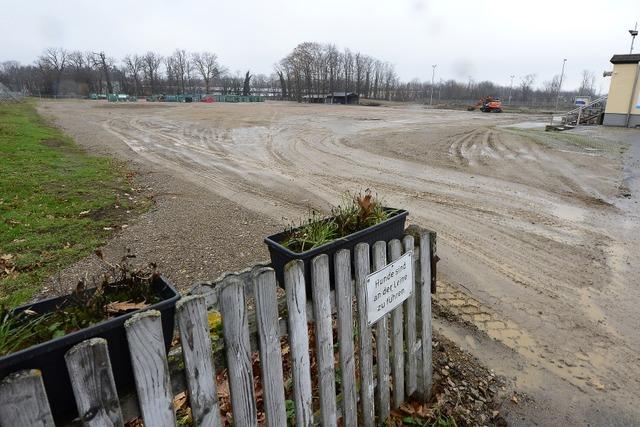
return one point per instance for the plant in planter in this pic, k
(361, 218)
(37, 336)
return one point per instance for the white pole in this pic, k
(510, 87)
(564, 61)
(433, 75)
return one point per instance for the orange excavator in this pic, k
(488, 105)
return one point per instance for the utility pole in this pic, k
(510, 87)
(564, 61)
(433, 75)
(633, 33)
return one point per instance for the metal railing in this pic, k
(576, 114)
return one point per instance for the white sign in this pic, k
(582, 100)
(389, 287)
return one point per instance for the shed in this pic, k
(623, 103)
(343, 98)
(314, 98)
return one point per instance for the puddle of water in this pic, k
(526, 125)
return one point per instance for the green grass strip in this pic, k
(55, 201)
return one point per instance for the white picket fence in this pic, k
(402, 343)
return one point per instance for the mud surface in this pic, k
(538, 232)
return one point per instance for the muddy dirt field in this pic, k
(537, 232)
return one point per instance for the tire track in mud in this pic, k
(239, 185)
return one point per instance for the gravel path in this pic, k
(191, 234)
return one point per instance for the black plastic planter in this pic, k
(48, 357)
(392, 228)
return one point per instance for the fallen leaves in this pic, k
(7, 267)
(118, 307)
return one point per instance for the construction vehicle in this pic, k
(488, 105)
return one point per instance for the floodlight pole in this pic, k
(433, 75)
(564, 61)
(633, 33)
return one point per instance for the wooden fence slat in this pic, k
(411, 383)
(195, 338)
(93, 385)
(362, 270)
(23, 400)
(397, 336)
(238, 351)
(151, 372)
(299, 341)
(324, 338)
(426, 368)
(382, 342)
(270, 355)
(344, 303)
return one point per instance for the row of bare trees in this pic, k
(61, 72)
(310, 70)
(314, 69)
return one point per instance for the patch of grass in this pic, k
(57, 203)
(570, 141)
(357, 212)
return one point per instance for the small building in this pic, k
(623, 103)
(343, 98)
(314, 98)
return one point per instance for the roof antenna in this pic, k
(633, 33)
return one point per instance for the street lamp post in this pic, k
(433, 75)
(633, 33)
(510, 88)
(564, 61)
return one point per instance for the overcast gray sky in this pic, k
(484, 40)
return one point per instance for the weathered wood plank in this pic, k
(382, 343)
(397, 337)
(191, 314)
(411, 372)
(238, 351)
(23, 400)
(270, 354)
(362, 270)
(344, 302)
(93, 385)
(324, 338)
(299, 341)
(151, 372)
(426, 368)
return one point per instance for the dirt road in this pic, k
(538, 232)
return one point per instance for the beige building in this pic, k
(623, 103)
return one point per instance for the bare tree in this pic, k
(206, 64)
(526, 84)
(134, 65)
(151, 62)
(587, 84)
(281, 69)
(178, 62)
(101, 61)
(53, 62)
